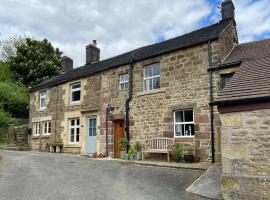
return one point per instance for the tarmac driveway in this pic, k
(35, 175)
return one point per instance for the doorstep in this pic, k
(197, 166)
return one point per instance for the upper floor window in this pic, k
(74, 130)
(46, 128)
(152, 77)
(123, 81)
(184, 123)
(36, 129)
(75, 92)
(225, 78)
(43, 99)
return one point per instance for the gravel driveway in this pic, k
(35, 175)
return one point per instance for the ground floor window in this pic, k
(184, 123)
(74, 130)
(36, 129)
(46, 128)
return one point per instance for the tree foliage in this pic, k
(34, 62)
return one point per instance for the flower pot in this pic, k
(126, 156)
(132, 157)
(122, 154)
(139, 155)
(189, 158)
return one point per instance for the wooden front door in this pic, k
(119, 132)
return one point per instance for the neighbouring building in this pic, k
(160, 90)
(244, 106)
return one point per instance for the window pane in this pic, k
(42, 102)
(72, 122)
(179, 116)
(148, 71)
(188, 115)
(179, 129)
(77, 137)
(156, 84)
(121, 77)
(78, 121)
(189, 129)
(76, 96)
(148, 84)
(72, 135)
(126, 77)
(156, 69)
(76, 86)
(126, 85)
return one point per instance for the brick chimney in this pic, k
(227, 9)
(66, 63)
(92, 53)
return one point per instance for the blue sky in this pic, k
(121, 25)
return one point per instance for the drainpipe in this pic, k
(129, 96)
(211, 101)
(55, 121)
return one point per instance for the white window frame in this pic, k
(151, 77)
(43, 95)
(74, 90)
(36, 129)
(123, 82)
(47, 128)
(75, 126)
(183, 123)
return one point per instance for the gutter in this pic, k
(224, 66)
(129, 97)
(230, 102)
(211, 101)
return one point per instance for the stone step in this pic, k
(17, 148)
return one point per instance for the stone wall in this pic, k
(18, 135)
(246, 154)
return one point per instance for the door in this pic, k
(119, 132)
(92, 135)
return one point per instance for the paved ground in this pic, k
(40, 176)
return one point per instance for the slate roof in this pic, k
(251, 81)
(200, 36)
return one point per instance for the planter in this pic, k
(178, 159)
(126, 156)
(189, 158)
(132, 157)
(139, 155)
(122, 154)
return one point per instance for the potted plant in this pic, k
(188, 152)
(123, 145)
(138, 150)
(177, 151)
(131, 152)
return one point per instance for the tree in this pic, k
(34, 62)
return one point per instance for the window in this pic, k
(75, 93)
(42, 99)
(123, 81)
(92, 126)
(36, 129)
(74, 130)
(151, 77)
(225, 78)
(184, 123)
(46, 128)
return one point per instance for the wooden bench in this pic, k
(158, 145)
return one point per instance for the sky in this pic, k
(122, 25)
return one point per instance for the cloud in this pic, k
(120, 25)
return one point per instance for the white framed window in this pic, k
(47, 128)
(43, 100)
(152, 77)
(36, 129)
(74, 130)
(184, 123)
(123, 81)
(75, 93)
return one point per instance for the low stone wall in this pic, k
(18, 136)
(246, 154)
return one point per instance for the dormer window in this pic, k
(43, 100)
(225, 79)
(75, 93)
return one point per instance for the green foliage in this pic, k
(137, 147)
(4, 72)
(123, 143)
(34, 62)
(131, 150)
(188, 149)
(177, 151)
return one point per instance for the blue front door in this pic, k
(92, 135)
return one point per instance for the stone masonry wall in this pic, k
(246, 154)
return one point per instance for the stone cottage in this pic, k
(244, 106)
(161, 90)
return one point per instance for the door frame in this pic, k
(87, 131)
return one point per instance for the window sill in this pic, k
(46, 136)
(150, 92)
(75, 103)
(35, 137)
(74, 145)
(183, 137)
(42, 109)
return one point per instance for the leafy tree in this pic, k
(34, 62)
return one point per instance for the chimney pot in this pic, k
(227, 9)
(92, 53)
(66, 64)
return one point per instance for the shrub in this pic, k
(188, 149)
(137, 147)
(177, 151)
(123, 143)
(131, 150)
